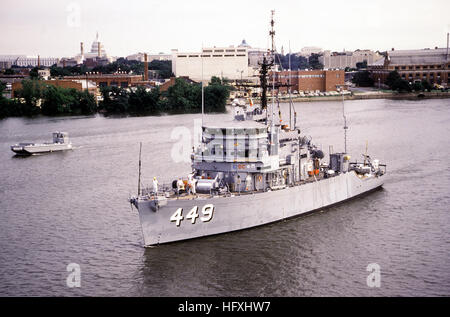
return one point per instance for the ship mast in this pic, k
(203, 93)
(345, 122)
(139, 178)
(272, 35)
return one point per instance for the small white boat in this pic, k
(60, 143)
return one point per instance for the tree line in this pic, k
(37, 98)
(298, 62)
(162, 68)
(394, 81)
(182, 97)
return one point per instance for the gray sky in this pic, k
(55, 28)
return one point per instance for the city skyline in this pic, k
(56, 28)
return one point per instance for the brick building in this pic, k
(113, 80)
(171, 82)
(311, 80)
(432, 65)
(75, 84)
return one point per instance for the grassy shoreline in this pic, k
(372, 95)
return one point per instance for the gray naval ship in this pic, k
(247, 174)
(251, 171)
(60, 143)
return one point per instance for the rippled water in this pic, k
(72, 208)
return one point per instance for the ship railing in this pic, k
(162, 190)
(381, 167)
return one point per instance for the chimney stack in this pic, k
(145, 67)
(82, 49)
(39, 61)
(99, 50)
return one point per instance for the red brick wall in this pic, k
(312, 80)
(57, 83)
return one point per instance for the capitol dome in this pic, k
(244, 44)
(94, 48)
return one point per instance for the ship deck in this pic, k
(187, 196)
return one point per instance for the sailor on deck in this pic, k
(155, 185)
(180, 185)
(191, 182)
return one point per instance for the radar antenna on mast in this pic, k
(272, 31)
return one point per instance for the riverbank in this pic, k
(371, 95)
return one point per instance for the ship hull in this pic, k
(235, 213)
(37, 149)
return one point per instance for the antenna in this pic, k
(203, 95)
(289, 82)
(272, 35)
(365, 156)
(272, 31)
(345, 121)
(139, 179)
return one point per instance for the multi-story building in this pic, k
(150, 57)
(342, 60)
(5, 64)
(311, 80)
(225, 62)
(79, 85)
(44, 73)
(29, 61)
(309, 50)
(113, 80)
(432, 65)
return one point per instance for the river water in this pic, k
(72, 207)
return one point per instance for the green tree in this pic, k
(34, 73)
(392, 78)
(216, 95)
(183, 97)
(9, 71)
(401, 85)
(142, 101)
(426, 85)
(363, 79)
(60, 71)
(313, 61)
(115, 100)
(31, 93)
(417, 86)
(57, 101)
(164, 68)
(86, 104)
(4, 103)
(362, 65)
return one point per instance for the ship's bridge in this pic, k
(234, 142)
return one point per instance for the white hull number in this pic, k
(207, 212)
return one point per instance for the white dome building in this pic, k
(96, 47)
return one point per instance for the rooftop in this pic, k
(423, 56)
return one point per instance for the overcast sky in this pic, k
(56, 28)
